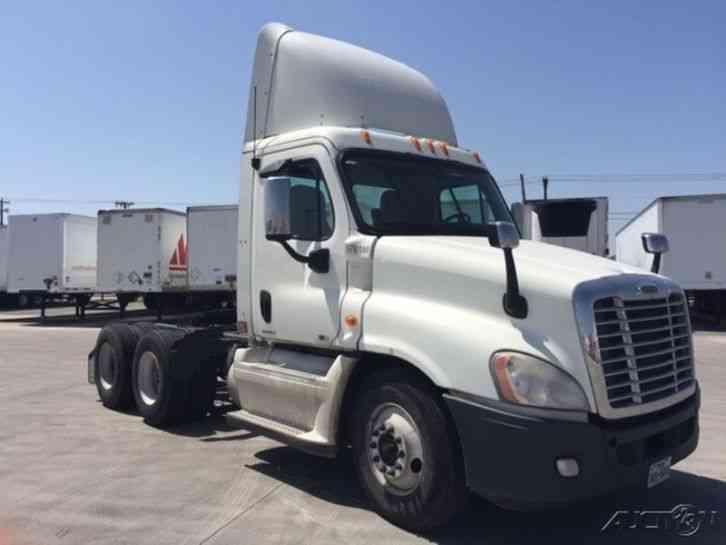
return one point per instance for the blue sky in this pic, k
(145, 100)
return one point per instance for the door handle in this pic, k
(266, 305)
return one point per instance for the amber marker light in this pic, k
(416, 143)
(477, 158)
(351, 321)
(501, 363)
(432, 149)
(444, 148)
(366, 136)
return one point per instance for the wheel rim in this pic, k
(107, 366)
(395, 449)
(149, 378)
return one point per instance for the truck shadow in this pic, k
(482, 522)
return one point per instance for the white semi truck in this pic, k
(374, 312)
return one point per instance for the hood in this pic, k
(537, 263)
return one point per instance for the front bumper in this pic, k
(510, 451)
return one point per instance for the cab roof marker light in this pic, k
(477, 158)
(432, 149)
(416, 143)
(444, 148)
(366, 136)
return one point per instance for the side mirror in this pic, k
(504, 235)
(277, 209)
(656, 244)
(278, 224)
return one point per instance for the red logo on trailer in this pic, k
(178, 261)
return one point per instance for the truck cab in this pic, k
(388, 307)
(372, 245)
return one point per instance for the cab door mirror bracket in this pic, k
(504, 235)
(656, 244)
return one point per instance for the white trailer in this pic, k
(696, 229)
(52, 254)
(142, 252)
(580, 224)
(4, 253)
(212, 240)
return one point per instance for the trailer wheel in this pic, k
(405, 453)
(114, 354)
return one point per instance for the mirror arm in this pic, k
(656, 263)
(318, 260)
(513, 302)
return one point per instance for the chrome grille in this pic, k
(644, 348)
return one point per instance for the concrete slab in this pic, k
(73, 472)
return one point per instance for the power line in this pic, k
(108, 201)
(669, 177)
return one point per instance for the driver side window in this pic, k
(311, 210)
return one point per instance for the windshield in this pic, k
(399, 194)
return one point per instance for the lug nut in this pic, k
(376, 459)
(391, 472)
(373, 444)
(376, 433)
(401, 454)
(399, 440)
(399, 467)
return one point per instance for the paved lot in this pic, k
(72, 472)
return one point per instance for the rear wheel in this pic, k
(114, 354)
(169, 385)
(405, 452)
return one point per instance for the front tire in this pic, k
(405, 452)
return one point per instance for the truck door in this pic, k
(291, 302)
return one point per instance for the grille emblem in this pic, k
(647, 289)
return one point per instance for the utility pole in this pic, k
(545, 183)
(123, 204)
(3, 209)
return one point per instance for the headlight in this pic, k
(527, 380)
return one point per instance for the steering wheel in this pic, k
(463, 217)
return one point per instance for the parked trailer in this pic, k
(143, 252)
(212, 251)
(580, 224)
(696, 230)
(52, 256)
(5, 299)
(379, 318)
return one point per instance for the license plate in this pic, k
(659, 471)
(92, 368)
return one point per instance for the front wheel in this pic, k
(406, 454)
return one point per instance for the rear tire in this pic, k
(171, 386)
(114, 353)
(405, 452)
